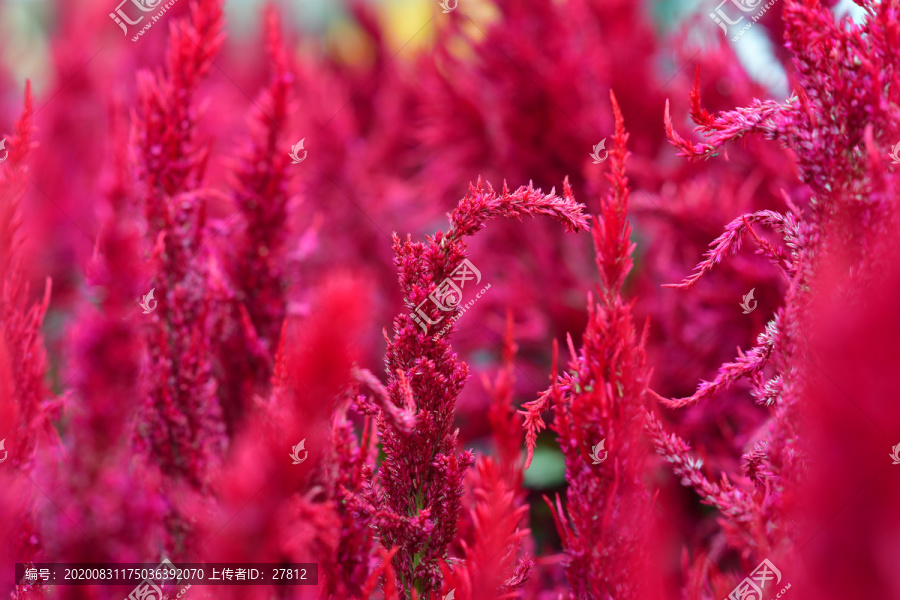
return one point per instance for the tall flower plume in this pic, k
(25, 410)
(597, 407)
(256, 250)
(493, 524)
(27, 417)
(421, 477)
(106, 352)
(180, 426)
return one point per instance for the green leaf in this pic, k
(547, 470)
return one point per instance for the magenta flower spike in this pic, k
(421, 477)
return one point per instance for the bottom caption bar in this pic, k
(156, 576)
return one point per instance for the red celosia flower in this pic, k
(277, 511)
(181, 425)
(255, 250)
(18, 527)
(506, 423)
(349, 568)
(422, 474)
(490, 567)
(106, 354)
(386, 571)
(25, 413)
(492, 526)
(597, 407)
(25, 420)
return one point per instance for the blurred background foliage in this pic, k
(27, 25)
